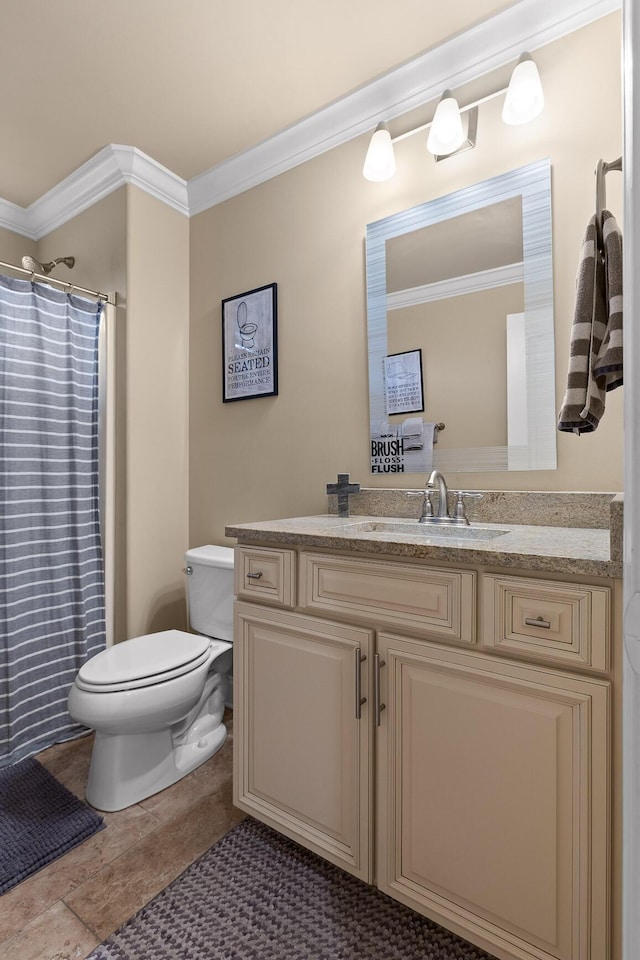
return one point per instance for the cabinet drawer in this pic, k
(265, 575)
(426, 601)
(567, 622)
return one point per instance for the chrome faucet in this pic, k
(437, 480)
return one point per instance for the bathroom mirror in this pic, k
(466, 283)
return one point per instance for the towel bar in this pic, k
(602, 169)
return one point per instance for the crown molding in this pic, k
(16, 219)
(526, 25)
(144, 172)
(111, 168)
(92, 181)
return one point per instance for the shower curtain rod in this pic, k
(69, 287)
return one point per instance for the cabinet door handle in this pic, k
(379, 707)
(537, 622)
(359, 698)
(254, 576)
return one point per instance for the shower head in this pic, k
(30, 263)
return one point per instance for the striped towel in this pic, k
(595, 363)
(609, 361)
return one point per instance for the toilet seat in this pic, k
(142, 661)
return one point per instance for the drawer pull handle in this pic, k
(254, 576)
(379, 707)
(359, 698)
(537, 622)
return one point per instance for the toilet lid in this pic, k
(149, 659)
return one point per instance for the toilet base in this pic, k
(128, 768)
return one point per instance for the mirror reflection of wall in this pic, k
(451, 287)
(471, 243)
(464, 356)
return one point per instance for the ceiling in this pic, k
(194, 82)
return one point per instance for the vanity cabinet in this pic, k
(463, 766)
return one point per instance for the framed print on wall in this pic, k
(250, 344)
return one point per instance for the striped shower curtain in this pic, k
(51, 571)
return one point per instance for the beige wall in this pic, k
(305, 230)
(96, 238)
(138, 247)
(157, 378)
(13, 247)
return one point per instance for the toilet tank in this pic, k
(210, 590)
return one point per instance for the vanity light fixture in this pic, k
(446, 133)
(380, 162)
(523, 102)
(524, 99)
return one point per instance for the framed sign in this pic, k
(250, 344)
(403, 388)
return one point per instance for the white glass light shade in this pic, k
(446, 133)
(380, 162)
(524, 99)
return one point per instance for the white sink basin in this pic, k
(426, 531)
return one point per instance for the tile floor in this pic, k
(69, 907)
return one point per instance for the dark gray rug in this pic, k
(39, 821)
(256, 895)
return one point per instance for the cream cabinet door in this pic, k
(493, 799)
(302, 736)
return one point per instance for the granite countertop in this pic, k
(568, 550)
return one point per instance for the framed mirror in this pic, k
(465, 284)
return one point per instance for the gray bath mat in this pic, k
(256, 895)
(39, 821)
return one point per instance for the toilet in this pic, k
(156, 702)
